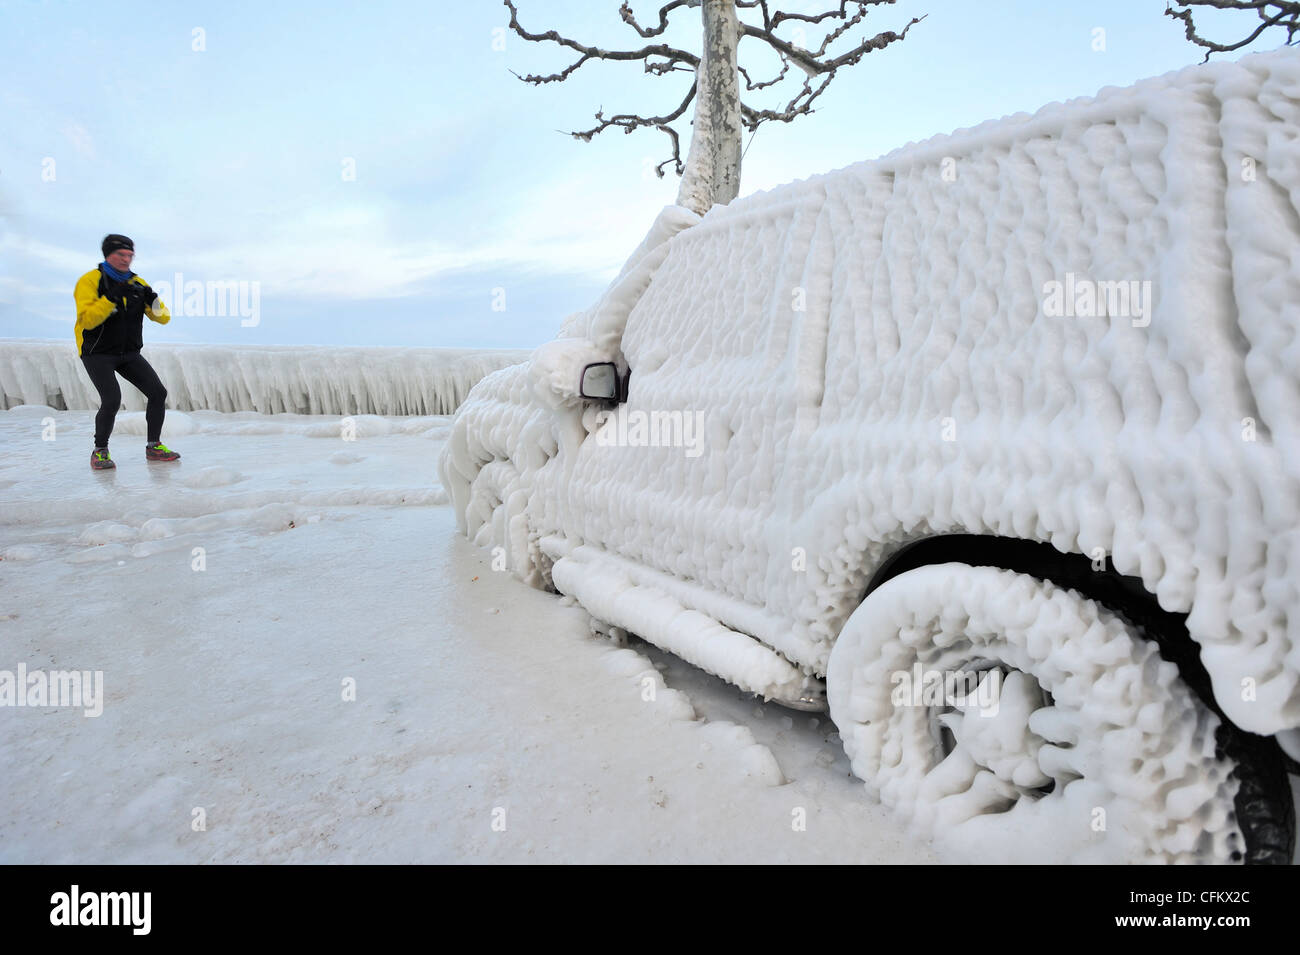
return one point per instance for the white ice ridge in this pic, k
(299, 379)
(1079, 327)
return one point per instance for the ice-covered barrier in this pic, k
(300, 379)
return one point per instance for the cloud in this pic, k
(45, 254)
(14, 290)
(349, 252)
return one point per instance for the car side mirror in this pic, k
(600, 380)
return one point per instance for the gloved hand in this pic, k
(137, 292)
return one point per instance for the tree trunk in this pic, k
(712, 173)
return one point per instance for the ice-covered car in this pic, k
(997, 435)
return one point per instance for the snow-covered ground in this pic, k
(488, 724)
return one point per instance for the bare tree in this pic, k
(711, 173)
(1271, 13)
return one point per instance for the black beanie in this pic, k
(114, 242)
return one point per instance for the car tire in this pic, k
(1091, 750)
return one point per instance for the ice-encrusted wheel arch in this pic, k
(1263, 801)
(1094, 752)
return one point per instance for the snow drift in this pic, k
(299, 379)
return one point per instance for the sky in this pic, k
(374, 173)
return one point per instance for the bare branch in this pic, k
(751, 85)
(628, 122)
(589, 52)
(771, 21)
(625, 11)
(760, 4)
(808, 61)
(1286, 15)
(842, 29)
(661, 59)
(671, 65)
(799, 106)
(673, 61)
(812, 63)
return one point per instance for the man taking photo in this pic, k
(111, 304)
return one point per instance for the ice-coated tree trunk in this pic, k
(712, 173)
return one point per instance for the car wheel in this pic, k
(1012, 720)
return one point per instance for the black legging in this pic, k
(138, 372)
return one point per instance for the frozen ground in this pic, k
(478, 700)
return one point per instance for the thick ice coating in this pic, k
(1077, 327)
(1117, 765)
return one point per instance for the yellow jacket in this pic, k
(96, 311)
